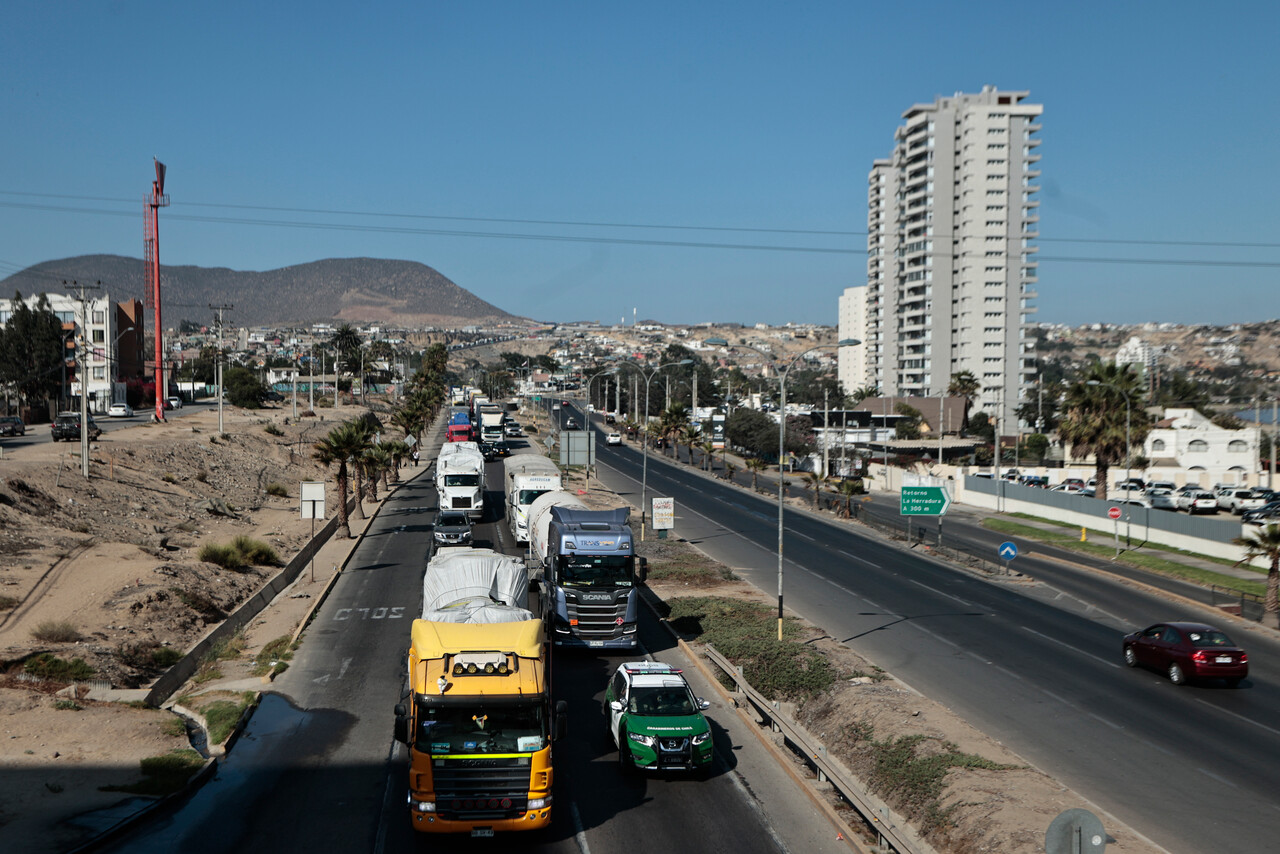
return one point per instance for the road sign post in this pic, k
(923, 501)
(1114, 513)
(1007, 552)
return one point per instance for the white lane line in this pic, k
(1064, 645)
(1214, 776)
(803, 536)
(579, 835)
(1238, 716)
(941, 593)
(859, 559)
(1101, 719)
(342, 671)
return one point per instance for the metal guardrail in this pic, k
(876, 816)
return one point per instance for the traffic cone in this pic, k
(839, 836)
(1084, 537)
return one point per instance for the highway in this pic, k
(1036, 665)
(316, 769)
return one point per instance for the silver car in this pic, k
(452, 528)
(1162, 499)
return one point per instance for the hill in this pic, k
(355, 290)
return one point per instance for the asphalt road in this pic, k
(316, 769)
(1036, 665)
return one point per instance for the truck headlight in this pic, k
(640, 738)
(423, 806)
(539, 803)
(701, 737)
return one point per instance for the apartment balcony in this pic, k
(1030, 294)
(1032, 173)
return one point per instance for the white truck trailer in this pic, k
(528, 476)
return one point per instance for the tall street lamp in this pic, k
(782, 433)
(644, 443)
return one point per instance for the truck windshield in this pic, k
(577, 570)
(481, 728)
(528, 496)
(462, 480)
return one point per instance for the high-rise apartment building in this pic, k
(951, 222)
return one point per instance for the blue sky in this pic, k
(738, 121)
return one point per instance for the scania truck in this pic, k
(589, 572)
(479, 723)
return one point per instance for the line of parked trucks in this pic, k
(480, 721)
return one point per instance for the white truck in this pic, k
(460, 479)
(491, 421)
(528, 476)
(586, 563)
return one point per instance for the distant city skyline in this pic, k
(700, 163)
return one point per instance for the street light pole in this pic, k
(644, 442)
(782, 437)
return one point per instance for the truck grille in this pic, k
(460, 502)
(598, 619)
(479, 788)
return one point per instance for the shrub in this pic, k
(174, 727)
(8, 603)
(168, 478)
(68, 706)
(221, 716)
(273, 430)
(227, 557)
(166, 656)
(56, 631)
(46, 665)
(255, 552)
(163, 775)
(273, 658)
(202, 476)
(278, 489)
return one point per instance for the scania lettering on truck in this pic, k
(479, 723)
(528, 476)
(589, 572)
(460, 478)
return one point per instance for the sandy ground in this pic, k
(117, 558)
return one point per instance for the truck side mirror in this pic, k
(642, 569)
(401, 732)
(562, 719)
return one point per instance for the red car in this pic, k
(1187, 651)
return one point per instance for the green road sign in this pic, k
(924, 501)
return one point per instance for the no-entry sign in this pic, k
(1114, 512)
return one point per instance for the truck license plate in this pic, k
(482, 831)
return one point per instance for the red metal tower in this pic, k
(151, 259)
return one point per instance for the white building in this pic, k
(1204, 452)
(852, 370)
(951, 219)
(1137, 352)
(96, 342)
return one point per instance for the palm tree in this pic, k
(963, 384)
(691, 435)
(357, 463)
(1095, 413)
(398, 450)
(755, 465)
(343, 443)
(672, 423)
(729, 471)
(865, 392)
(708, 449)
(814, 481)
(375, 461)
(847, 489)
(1265, 543)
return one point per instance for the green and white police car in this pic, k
(655, 720)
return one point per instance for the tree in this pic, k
(755, 465)
(708, 449)
(908, 427)
(399, 451)
(1094, 417)
(861, 394)
(847, 489)
(691, 435)
(244, 388)
(346, 341)
(1265, 543)
(376, 461)
(32, 351)
(963, 384)
(753, 431)
(343, 444)
(1035, 446)
(813, 480)
(798, 438)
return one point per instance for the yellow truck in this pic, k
(480, 722)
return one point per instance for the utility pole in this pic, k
(218, 366)
(151, 269)
(82, 368)
(826, 435)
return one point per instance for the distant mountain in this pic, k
(355, 290)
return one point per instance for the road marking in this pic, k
(1101, 719)
(1238, 717)
(941, 593)
(803, 536)
(1065, 645)
(859, 559)
(342, 671)
(579, 835)
(1214, 776)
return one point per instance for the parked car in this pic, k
(1241, 501)
(66, 427)
(1162, 499)
(452, 528)
(1075, 482)
(120, 410)
(655, 720)
(1167, 485)
(1198, 502)
(613, 439)
(1065, 487)
(609, 418)
(174, 401)
(1190, 487)
(1266, 514)
(1186, 651)
(1127, 488)
(1136, 501)
(11, 425)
